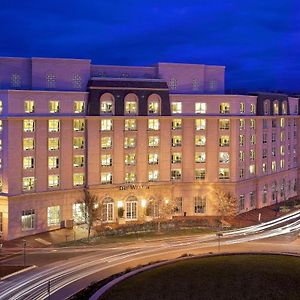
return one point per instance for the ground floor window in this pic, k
(152, 209)
(108, 210)
(78, 213)
(131, 208)
(242, 202)
(178, 205)
(53, 214)
(28, 219)
(265, 192)
(199, 205)
(252, 199)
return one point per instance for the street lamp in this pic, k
(219, 235)
(24, 252)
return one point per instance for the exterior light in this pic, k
(167, 201)
(120, 204)
(143, 203)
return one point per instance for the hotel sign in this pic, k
(133, 187)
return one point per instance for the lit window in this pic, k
(1, 144)
(78, 142)
(78, 161)
(28, 162)
(176, 140)
(223, 173)
(264, 167)
(242, 173)
(106, 104)
(224, 124)
(131, 208)
(176, 174)
(129, 142)
(224, 108)
(106, 160)
(153, 159)
(29, 106)
(53, 181)
(284, 107)
(252, 123)
(53, 215)
(28, 219)
(273, 166)
(242, 124)
(53, 144)
(78, 179)
(53, 106)
(130, 159)
(28, 183)
(275, 108)
(282, 150)
(78, 107)
(176, 107)
(173, 84)
(200, 174)
(78, 124)
(153, 124)
(130, 177)
(153, 107)
(106, 125)
(130, 107)
(1, 106)
(224, 141)
(106, 178)
(153, 141)
(106, 142)
(252, 139)
(252, 108)
(200, 124)
(265, 194)
(176, 124)
(282, 163)
(53, 125)
(241, 139)
(200, 140)
(242, 155)
(274, 137)
(282, 122)
(176, 157)
(200, 157)
(252, 154)
(224, 157)
(28, 125)
(130, 124)
(53, 162)
(252, 169)
(200, 108)
(28, 144)
(242, 107)
(200, 205)
(265, 138)
(266, 107)
(153, 175)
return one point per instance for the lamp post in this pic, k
(219, 235)
(24, 252)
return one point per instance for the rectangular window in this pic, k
(252, 154)
(78, 161)
(53, 181)
(241, 139)
(28, 125)
(273, 166)
(130, 159)
(176, 124)
(53, 162)
(130, 177)
(199, 174)
(129, 142)
(106, 107)
(252, 139)
(178, 205)
(106, 124)
(200, 108)
(223, 173)
(28, 219)
(264, 167)
(252, 108)
(176, 140)
(78, 179)
(78, 142)
(242, 123)
(131, 210)
(200, 157)
(224, 141)
(28, 184)
(224, 108)
(106, 142)
(200, 140)
(264, 153)
(28, 162)
(130, 107)
(200, 205)
(176, 174)
(153, 141)
(176, 157)
(224, 157)
(242, 155)
(53, 144)
(176, 107)
(78, 107)
(242, 107)
(106, 178)
(265, 124)
(224, 124)
(1, 111)
(78, 124)
(242, 173)
(153, 124)
(200, 124)
(53, 125)
(252, 124)
(153, 159)
(153, 175)
(29, 106)
(252, 169)
(106, 160)
(28, 144)
(53, 106)
(265, 138)
(252, 199)
(242, 202)
(130, 124)
(153, 108)
(53, 215)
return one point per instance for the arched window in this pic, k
(131, 208)
(266, 107)
(108, 210)
(284, 107)
(107, 104)
(154, 104)
(275, 108)
(131, 104)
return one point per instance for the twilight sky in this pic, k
(257, 40)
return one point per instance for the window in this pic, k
(15, 80)
(252, 108)
(108, 210)
(200, 140)
(28, 219)
(274, 125)
(78, 142)
(106, 178)
(282, 150)
(106, 142)
(176, 140)
(275, 108)
(29, 106)
(176, 124)
(53, 125)
(284, 107)
(242, 202)
(252, 169)
(200, 205)
(130, 177)
(242, 107)
(242, 155)
(53, 214)
(28, 144)
(78, 107)
(28, 125)
(252, 124)
(224, 157)
(242, 123)
(265, 194)
(200, 174)
(130, 159)
(173, 84)
(130, 124)
(153, 175)
(78, 161)
(282, 163)
(78, 124)
(224, 108)
(282, 136)
(50, 81)
(153, 141)
(28, 162)
(265, 124)
(106, 160)
(131, 105)
(273, 166)
(1, 111)
(106, 125)
(265, 138)
(200, 124)
(241, 139)
(106, 104)
(176, 107)
(224, 141)
(153, 159)
(176, 174)
(200, 157)
(252, 139)
(266, 107)
(200, 108)
(264, 153)
(129, 142)
(78, 179)
(28, 183)
(195, 84)
(212, 85)
(252, 154)
(76, 81)
(178, 205)
(224, 124)
(241, 173)
(53, 144)
(153, 105)
(273, 137)
(223, 173)
(131, 208)
(176, 157)
(264, 168)
(53, 181)
(282, 122)
(153, 124)
(53, 106)
(53, 162)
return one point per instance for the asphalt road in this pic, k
(72, 269)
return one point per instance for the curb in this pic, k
(18, 272)
(121, 278)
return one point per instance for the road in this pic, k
(85, 265)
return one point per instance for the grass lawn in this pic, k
(263, 277)
(6, 270)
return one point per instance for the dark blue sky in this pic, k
(257, 40)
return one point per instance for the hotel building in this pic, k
(132, 134)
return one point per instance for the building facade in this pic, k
(132, 135)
